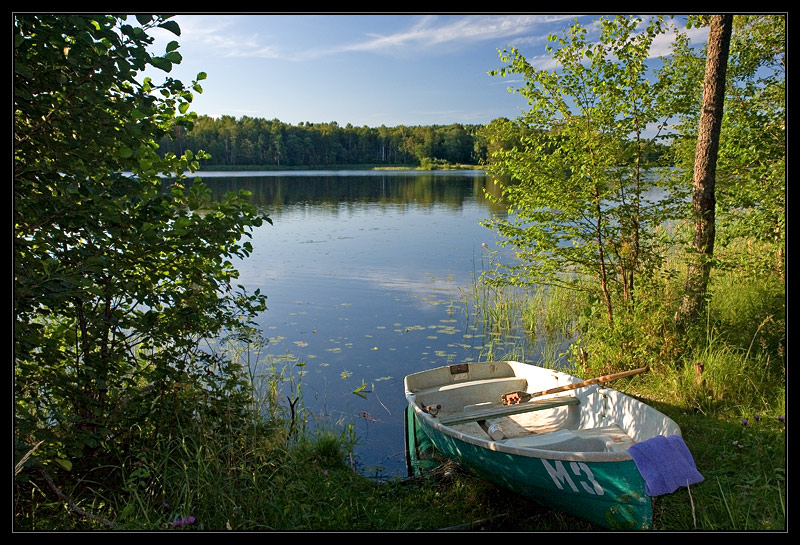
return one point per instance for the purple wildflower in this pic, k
(744, 421)
(781, 418)
(184, 521)
(757, 417)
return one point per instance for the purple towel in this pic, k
(665, 464)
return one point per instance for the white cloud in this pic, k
(222, 35)
(430, 31)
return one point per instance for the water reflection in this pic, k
(273, 192)
(366, 277)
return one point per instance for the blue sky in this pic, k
(362, 69)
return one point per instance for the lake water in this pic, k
(366, 274)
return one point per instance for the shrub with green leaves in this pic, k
(123, 268)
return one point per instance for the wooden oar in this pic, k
(514, 398)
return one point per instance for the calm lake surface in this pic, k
(366, 274)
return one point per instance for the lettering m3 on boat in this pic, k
(581, 471)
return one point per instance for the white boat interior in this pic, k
(467, 400)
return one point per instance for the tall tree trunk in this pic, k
(705, 166)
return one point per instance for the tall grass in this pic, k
(518, 323)
(246, 470)
(723, 382)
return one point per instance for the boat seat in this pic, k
(605, 439)
(468, 393)
(495, 411)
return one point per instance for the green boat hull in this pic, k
(421, 455)
(610, 494)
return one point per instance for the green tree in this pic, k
(576, 183)
(501, 133)
(122, 267)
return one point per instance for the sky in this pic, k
(364, 70)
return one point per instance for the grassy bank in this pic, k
(276, 469)
(278, 472)
(724, 382)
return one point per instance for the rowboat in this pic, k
(564, 442)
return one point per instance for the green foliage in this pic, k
(123, 268)
(577, 180)
(272, 143)
(724, 382)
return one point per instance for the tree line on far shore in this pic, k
(254, 141)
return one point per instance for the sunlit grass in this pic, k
(724, 382)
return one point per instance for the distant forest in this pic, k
(258, 142)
